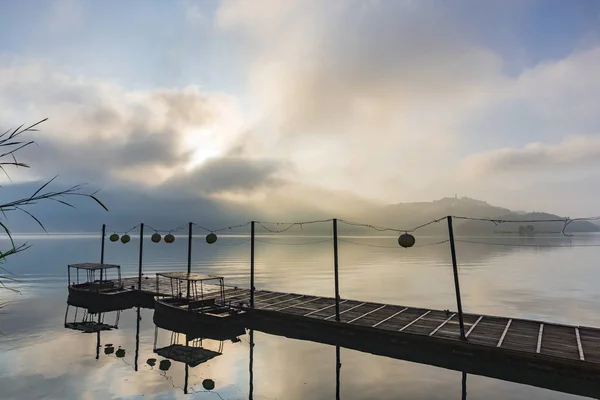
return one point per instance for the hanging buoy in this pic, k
(109, 350)
(208, 384)
(164, 365)
(151, 362)
(211, 238)
(169, 238)
(114, 237)
(406, 240)
(156, 237)
(125, 239)
(120, 353)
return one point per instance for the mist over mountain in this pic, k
(164, 210)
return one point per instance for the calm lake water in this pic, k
(552, 278)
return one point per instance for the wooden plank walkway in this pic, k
(545, 354)
(536, 337)
(574, 343)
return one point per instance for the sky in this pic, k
(302, 105)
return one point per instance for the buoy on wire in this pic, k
(114, 237)
(125, 239)
(156, 237)
(169, 238)
(211, 238)
(406, 240)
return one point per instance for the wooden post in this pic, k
(456, 284)
(252, 264)
(189, 260)
(335, 271)
(141, 253)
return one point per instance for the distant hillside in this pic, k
(410, 215)
(528, 228)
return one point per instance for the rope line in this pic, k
(289, 225)
(165, 230)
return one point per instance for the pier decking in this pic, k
(520, 346)
(575, 343)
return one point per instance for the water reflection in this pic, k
(191, 346)
(556, 283)
(87, 321)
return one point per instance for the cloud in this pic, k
(230, 174)
(572, 153)
(359, 90)
(100, 132)
(392, 99)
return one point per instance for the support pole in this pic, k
(456, 284)
(141, 253)
(252, 264)
(189, 260)
(137, 339)
(102, 248)
(251, 366)
(338, 366)
(335, 271)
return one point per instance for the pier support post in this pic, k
(141, 254)
(456, 284)
(335, 271)
(252, 264)
(189, 260)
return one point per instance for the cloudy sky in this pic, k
(301, 104)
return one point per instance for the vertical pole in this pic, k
(335, 271)
(189, 260)
(338, 366)
(464, 386)
(187, 376)
(252, 264)
(251, 367)
(141, 253)
(137, 339)
(102, 248)
(456, 284)
(97, 345)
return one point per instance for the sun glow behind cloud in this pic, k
(398, 101)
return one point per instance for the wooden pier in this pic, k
(525, 348)
(555, 356)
